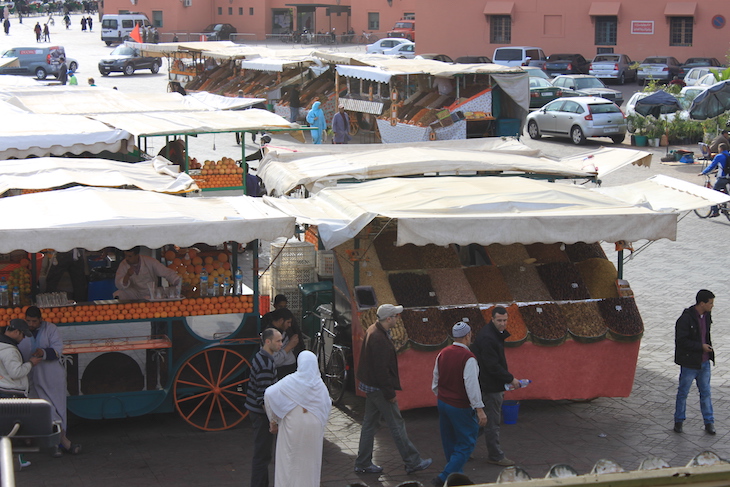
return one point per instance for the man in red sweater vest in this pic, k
(461, 410)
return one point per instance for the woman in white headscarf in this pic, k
(298, 407)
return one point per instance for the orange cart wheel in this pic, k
(354, 126)
(210, 389)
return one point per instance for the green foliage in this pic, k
(721, 75)
(652, 86)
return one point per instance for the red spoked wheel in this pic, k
(210, 389)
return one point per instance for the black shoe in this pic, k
(710, 428)
(714, 214)
(677, 427)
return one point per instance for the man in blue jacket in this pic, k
(693, 352)
(721, 160)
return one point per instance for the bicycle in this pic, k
(707, 211)
(367, 38)
(331, 356)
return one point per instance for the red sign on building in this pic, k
(642, 26)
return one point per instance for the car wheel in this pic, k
(155, 68)
(40, 73)
(630, 125)
(576, 135)
(108, 43)
(73, 67)
(128, 69)
(617, 139)
(622, 79)
(533, 130)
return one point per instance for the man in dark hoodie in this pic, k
(693, 352)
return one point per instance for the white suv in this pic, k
(519, 56)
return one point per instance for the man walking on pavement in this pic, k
(341, 126)
(379, 379)
(263, 374)
(693, 352)
(493, 376)
(461, 410)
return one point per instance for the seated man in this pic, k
(720, 139)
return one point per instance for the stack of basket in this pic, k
(293, 263)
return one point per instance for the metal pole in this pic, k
(255, 265)
(357, 263)
(620, 264)
(7, 470)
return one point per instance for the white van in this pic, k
(519, 56)
(116, 27)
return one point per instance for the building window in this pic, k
(373, 20)
(409, 15)
(250, 10)
(501, 29)
(606, 31)
(230, 10)
(680, 31)
(240, 10)
(220, 10)
(157, 18)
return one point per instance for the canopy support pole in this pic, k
(187, 157)
(620, 267)
(255, 266)
(357, 263)
(33, 274)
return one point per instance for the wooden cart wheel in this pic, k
(209, 389)
(354, 126)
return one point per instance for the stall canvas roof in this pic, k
(382, 68)
(283, 172)
(94, 218)
(25, 135)
(276, 64)
(219, 102)
(157, 175)
(482, 210)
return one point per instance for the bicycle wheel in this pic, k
(318, 350)
(705, 212)
(336, 375)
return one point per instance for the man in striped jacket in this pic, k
(263, 374)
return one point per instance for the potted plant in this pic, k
(637, 124)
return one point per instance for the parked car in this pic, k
(586, 85)
(127, 60)
(667, 112)
(379, 46)
(693, 75)
(535, 72)
(542, 91)
(578, 118)
(695, 62)
(404, 28)
(472, 60)
(663, 68)
(613, 66)
(219, 32)
(566, 64)
(689, 93)
(406, 50)
(519, 56)
(435, 57)
(37, 61)
(707, 80)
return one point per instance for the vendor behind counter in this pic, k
(137, 272)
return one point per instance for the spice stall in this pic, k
(450, 248)
(184, 353)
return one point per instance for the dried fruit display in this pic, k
(470, 315)
(546, 253)
(524, 283)
(599, 275)
(437, 257)
(502, 255)
(412, 290)
(451, 287)
(392, 258)
(425, 326)
(544, 321)
(371, 273)
(488, 284)
(622, 317)
(515, 324)
(584, 319)
(563, 281)
(398, 333)
(581, 251)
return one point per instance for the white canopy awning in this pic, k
(171, 123)
(94, 218)
(282, 171)
(26, 135)
(481, 210)
(219, 102)
(157, 174)
(275, 64)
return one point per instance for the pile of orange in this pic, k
(189, 264)
(222, 174)
(138, 311)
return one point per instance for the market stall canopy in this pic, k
(94, 218)
(157, 175)
(663, 193)
(170, 123)
(481, 210)
(219, 102)
(283, 173)
(276, 64)
(26, 135)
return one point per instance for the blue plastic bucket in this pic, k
(510, 409)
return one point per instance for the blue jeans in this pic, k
(375, 406)
(686, 377)
(459, 430)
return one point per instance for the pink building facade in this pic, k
(471, 27)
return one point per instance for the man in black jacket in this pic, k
(693, 352)
(493, 377)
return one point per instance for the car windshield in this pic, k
(8, 53)
(699, 61)
(655, 60)
(403, 25)
(605, 58)
(539, 83)
(123, 51)
(603, 108)
(210, 28)
(586, 83)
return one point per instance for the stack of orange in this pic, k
(138, 311)
(188, 264)
(222, 174)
